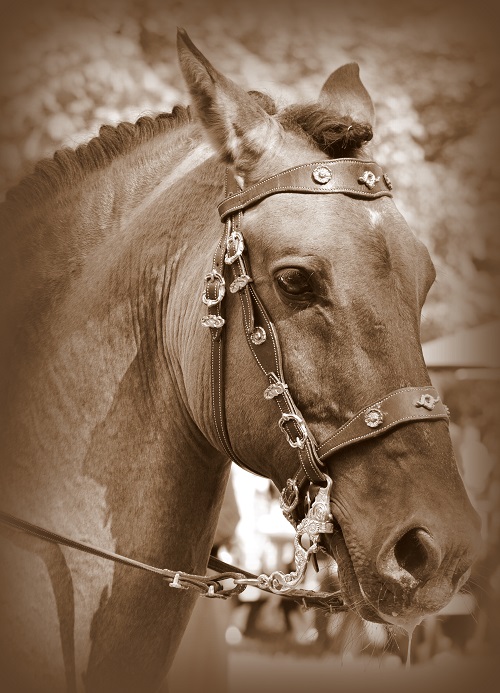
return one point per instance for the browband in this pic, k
(347, 176)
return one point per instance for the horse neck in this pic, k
(98, 426)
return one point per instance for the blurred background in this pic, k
(432, 69)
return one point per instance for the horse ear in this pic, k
(345, 93)
(240, 129)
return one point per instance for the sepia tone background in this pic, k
(432, 69)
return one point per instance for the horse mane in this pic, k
(70, 166)
(333, 134)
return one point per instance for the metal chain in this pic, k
(211, 586)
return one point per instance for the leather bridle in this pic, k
(309, 512)
(355, 178)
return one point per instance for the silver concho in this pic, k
(274, 390)
(427, 402)
(369, 179)
(239, 283)
(322, 174)
(374, 417)
(258, 336)
(214, 321)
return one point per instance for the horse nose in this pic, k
(412, 560)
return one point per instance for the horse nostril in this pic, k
(418, 554)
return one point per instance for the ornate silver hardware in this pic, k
(291, 485)
(300, 441)
(322, 174)
(258, 336)
(274, 390)
(387, 181)
(177, 584)
(427, 401)
(239, 283)
(235, 240)
(214, 276)
(369, 179)
(317, 521)
(374, 417)
(214, 321)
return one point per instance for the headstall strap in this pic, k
(352, 177)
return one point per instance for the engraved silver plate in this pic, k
(214, 321)
(274, 390)
(258, 336)
(427, 401)
(322, 174)
(388, 181)
(239, 283)
(369, 179)
(373, 417)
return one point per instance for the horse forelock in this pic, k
(334, 134)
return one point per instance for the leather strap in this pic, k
(399, 407)
(352, 177)
(331, 601)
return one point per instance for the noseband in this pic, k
(357, 179)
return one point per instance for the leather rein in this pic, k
(305, 500)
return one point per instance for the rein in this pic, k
(305, 500)
(208, 586)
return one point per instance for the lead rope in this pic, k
(211, 586)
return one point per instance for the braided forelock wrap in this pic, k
(335, 135)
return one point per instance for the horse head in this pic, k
(343, 280)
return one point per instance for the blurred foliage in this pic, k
(69, 66)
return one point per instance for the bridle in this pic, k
(352, 177)
(305, 500)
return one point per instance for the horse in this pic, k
(128, 384)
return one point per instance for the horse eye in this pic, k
(293, 282)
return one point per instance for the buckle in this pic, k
(214, 276)
(301, 439)
(290, 488)
(235, 240)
